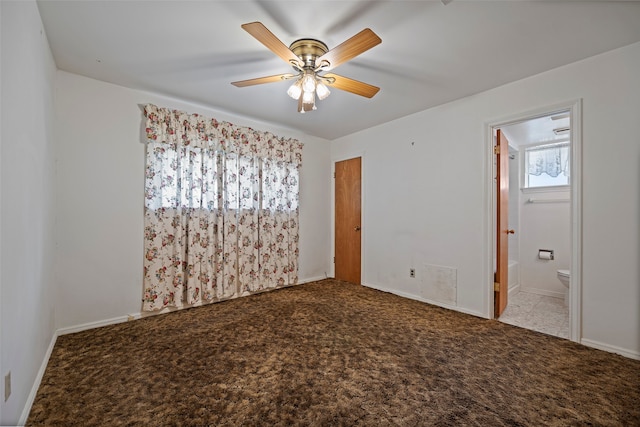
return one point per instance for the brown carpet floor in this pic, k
(330, 353)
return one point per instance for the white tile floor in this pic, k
(540, 313)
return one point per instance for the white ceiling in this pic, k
(537, 130)
(430, 53)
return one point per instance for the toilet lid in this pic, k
(563, 273)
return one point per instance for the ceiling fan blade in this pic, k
(349, 49)
(266, 37)
(353, 86)
(262, 80)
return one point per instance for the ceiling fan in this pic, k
(311, 59)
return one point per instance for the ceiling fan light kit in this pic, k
(295, 90)
(322, 91)
(308, 85)
(309, 58)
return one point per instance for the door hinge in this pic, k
(496, 286)
(334, 260)
(334, 174)
(496, 149)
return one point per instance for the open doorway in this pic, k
(537, 286)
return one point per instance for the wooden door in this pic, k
(501, 285)
(347, 220)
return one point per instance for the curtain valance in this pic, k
(174, 126)
(552, 160)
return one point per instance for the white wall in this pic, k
(544, 226)
(27, 212)
(100, 197)
(426, 203)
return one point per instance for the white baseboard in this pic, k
(96, 324)
(311, 279)
(418, 298)
(514, 290)
(36, 383)
(135, 316)
(542, 292)
(611, 348)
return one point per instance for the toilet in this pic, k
(563, 276)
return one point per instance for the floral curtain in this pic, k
(221, 210)
(552, 160)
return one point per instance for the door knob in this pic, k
(357, 228)
(511, 231)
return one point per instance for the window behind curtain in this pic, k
(211, 180)
(221, 210)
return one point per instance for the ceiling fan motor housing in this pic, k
(308, 50)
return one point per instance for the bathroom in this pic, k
(539, 213)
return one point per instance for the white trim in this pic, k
(515, 290)
(92, 325)
(575, 288)
(311, 279)
(2, 338)
(575, 280)
(425, 300)
(611, 348)
(139, 315)
(363, 215)
(165, 310)
(36, 383)
(134, 316)
(544, 292)
(488, 232)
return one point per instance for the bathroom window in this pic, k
(547, 165)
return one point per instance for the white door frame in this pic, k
(575, 285)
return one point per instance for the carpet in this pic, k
(330, 353)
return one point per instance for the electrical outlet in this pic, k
(412, 272)
(7, 386)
